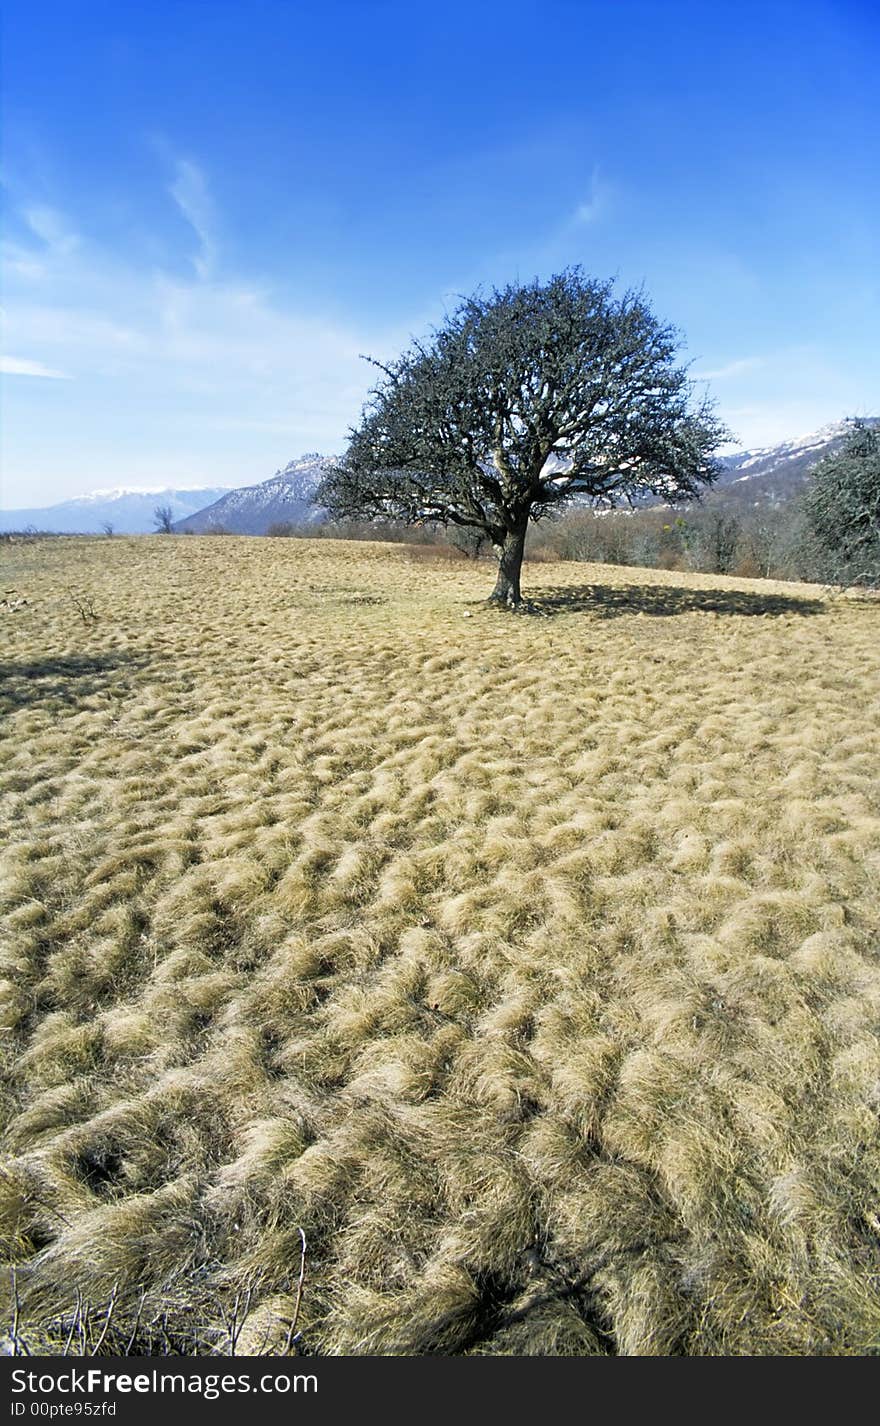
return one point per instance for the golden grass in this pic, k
(530, 965)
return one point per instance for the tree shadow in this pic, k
(67, 680)
(663, 600)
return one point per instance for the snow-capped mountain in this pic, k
(773, 474)
(770, 475)
(129, 511)
(286, 498)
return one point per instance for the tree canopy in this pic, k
(520, 402)
(842, 506)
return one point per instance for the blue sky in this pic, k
(212, 208)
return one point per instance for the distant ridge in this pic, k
(130, 512)
(768, 475)
(286, 498)
(764, 476)
(772, 475)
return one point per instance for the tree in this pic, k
(163, 520)
(711, 542)
(765, 537)
(842, 507)
(108, 527)
(520, 402)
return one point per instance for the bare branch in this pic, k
(292, 1333)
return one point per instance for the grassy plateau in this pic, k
(527, 966)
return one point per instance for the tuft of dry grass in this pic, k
(529, 967)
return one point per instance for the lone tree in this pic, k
(842, 507)
(521, 401)
(163, 520)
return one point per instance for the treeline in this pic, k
(767, 543)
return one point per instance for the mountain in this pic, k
(130, 512)
(772, 475)
(286, 498)
(767, 475)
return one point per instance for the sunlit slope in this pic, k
(528, 964)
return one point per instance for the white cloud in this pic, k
(732, 369)
(19, 366)
(51, 227)
(20, 262)
(593, 207)
(98, 313)
(563, 241)
(190, 192)
(796, 388)
(178, 379)
(769, 423)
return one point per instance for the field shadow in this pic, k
(69, 679)
(665, 600)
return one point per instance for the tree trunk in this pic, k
(507, 590)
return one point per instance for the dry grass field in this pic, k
(529, 965)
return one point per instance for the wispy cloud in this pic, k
(799, 388)
(563, 240)
(20, 366)
(18, 261)
(732, 369)
(51, 227)
(190, 192)
(593, 207)
(203, 378)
